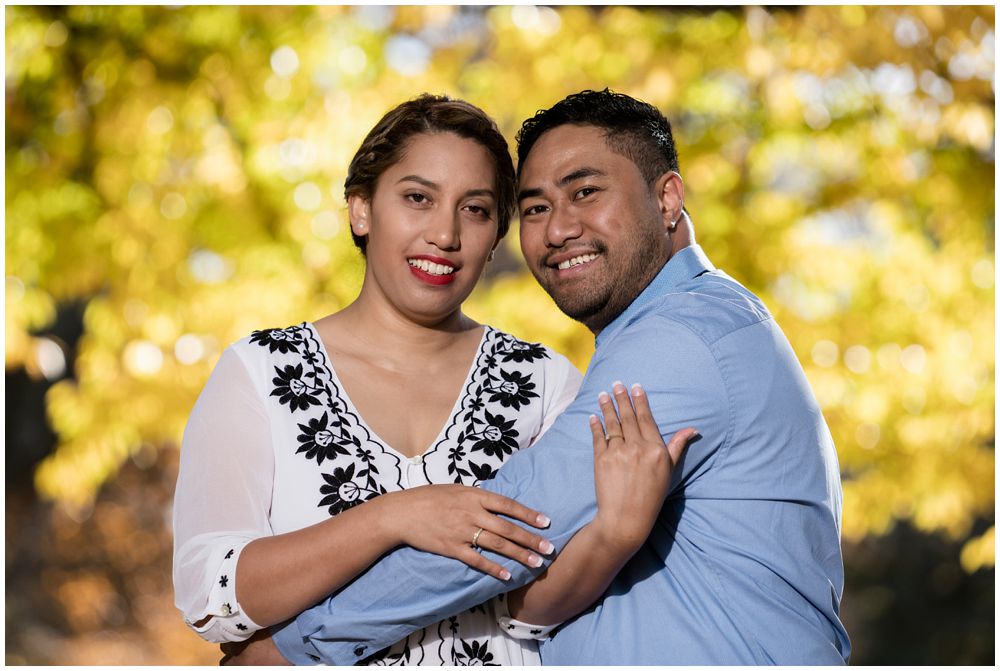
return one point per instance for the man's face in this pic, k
(593, 232)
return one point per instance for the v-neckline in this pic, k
(456, 407)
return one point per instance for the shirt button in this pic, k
(417, 460)
(359, 651)
(226, 610)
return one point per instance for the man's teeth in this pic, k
(432, 268)
(577, 260)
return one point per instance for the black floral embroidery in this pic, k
(223, 581)
(228, 555)
(514, 391)
(383, 658)
(278, 340)
(519, 351)
(343, 493)
(498, 438)
(241, 626)
(483, 472)
(481, 436)
(291, 390)
(318, 441)
(476, 653)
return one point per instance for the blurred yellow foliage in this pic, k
(179, 172)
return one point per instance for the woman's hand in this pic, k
(632, 466)
(453, 520)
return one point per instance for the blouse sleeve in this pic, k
(562, 382)
(222, 500)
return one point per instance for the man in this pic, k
(744, 565)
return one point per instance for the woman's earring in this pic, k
(490, 257)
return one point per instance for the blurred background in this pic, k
(174, 181)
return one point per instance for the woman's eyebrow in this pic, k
(419, 180)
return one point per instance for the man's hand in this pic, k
(258, 650)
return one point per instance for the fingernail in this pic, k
(617, 385)
(593, 419)
(546, 547)
(604, 397)
(637, 389)
(543, 520)
(505, 574)
(535, 560)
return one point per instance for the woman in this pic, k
(298, 427)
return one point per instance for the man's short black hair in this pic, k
(632, 128)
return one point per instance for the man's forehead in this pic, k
(564, 145)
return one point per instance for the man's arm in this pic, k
(409, 589)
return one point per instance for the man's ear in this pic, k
(359, 211)
(670, 196)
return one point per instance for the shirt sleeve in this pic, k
(555, 477)
(222, 500)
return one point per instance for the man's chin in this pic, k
(576, 308)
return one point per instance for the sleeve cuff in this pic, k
(521, 630)
(226, 620)
(292, 646)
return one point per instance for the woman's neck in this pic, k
(392, 336)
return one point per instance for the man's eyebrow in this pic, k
(580, 174)
(528, 193)
(563, 181)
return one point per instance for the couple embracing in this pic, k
(397, 484)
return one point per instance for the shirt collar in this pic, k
(682, 266)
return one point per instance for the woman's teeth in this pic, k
(431, 268)
(577, 260)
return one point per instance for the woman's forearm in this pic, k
(577, 578)
(277, 577)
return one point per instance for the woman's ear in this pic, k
(670, 194)
(359, 212)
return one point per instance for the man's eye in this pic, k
(534, 209)
(585, 191)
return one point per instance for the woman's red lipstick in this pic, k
(430, 278)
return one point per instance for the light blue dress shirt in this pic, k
(743, 565)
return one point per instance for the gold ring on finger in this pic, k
(475, 537)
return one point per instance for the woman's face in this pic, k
(431, 224)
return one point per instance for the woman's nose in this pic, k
(444, 231)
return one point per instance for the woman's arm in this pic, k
(232, 576)
(280, 576)
(632, 470)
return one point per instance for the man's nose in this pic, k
(563, 225)
(444, 231)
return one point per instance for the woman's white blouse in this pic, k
(274, 444)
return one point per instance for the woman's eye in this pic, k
(416, 198)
